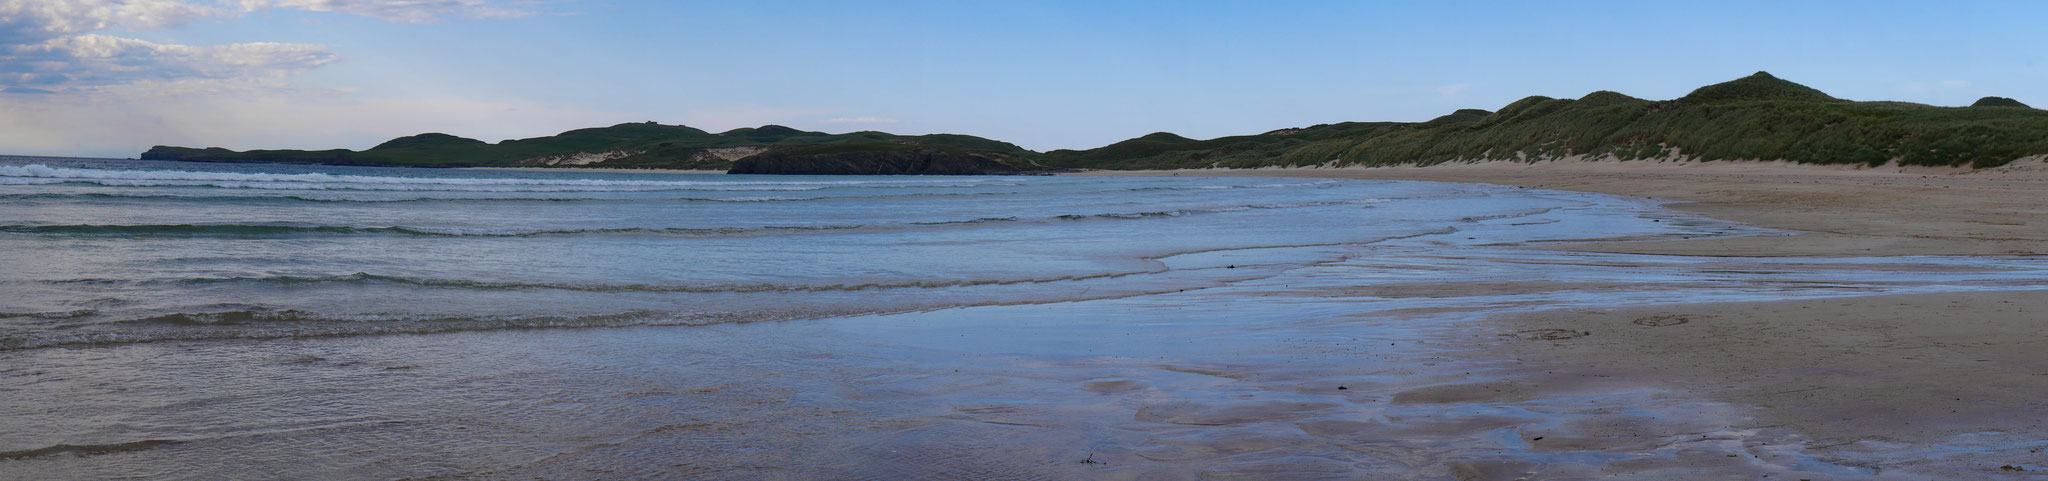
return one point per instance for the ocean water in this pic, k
(105, 253)
(221, 321)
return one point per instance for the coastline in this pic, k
(600, 170)
(1861, 378)
(1481, 351)
(1838, 211)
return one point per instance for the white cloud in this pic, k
(34, 21)
(861, 120)
(124, 122)
(99, 60)
(1451, 90)
(25, 22)
(67, 87)
(404, 11)
(52, 44)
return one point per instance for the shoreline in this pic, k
(1837, 211)
(1859, 377)
(1476, 352)
(604, 170)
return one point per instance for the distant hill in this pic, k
(634, 145)
(1760, 86)
(1999, 102)
(1758, 117)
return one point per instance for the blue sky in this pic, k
(112, 77)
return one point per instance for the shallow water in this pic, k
(106, 253)
(168, 320)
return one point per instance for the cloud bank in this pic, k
(57, 45)
(75, 81)
(27, 22)
(405, 11)
(116, 126)
(95, 60)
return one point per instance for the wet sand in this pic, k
(1839, 211)
(1920, 386)
(1444, 357)
(1877, 381)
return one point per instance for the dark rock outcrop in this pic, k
(873, 162)
(165, 152)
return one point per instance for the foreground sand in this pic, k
(1422, 361)
(1948, 383)
(1839, 211)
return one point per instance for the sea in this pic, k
(168, 320)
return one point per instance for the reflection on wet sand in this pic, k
(1419, 377)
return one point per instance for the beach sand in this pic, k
(1453, 358)
(1839, 211)
(1946, 386)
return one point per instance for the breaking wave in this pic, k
(43, 174)
(290, 324)
(301, 198)
(85, 449)
(291, 230)
(287, 230)
(361, 278)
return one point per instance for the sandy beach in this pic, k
(1838, 211)
(1613, 321)
(1868, 381)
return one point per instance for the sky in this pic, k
(110, 78)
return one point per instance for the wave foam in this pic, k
(85, 449)
(279, 230)
(44, 174)
(303, 198)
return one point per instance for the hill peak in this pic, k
(1166, 137)
(770, 130)
(1460, 116)
(430, 139)
(1603, 98)
(1999, 102)
(1757, 86)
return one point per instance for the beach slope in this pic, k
(1954, 378)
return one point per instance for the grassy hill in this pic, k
(634, 145)
(1758, 117)
(1998, 102)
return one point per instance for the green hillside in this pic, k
(1759, 117)
(1998, 102)
(634, 145)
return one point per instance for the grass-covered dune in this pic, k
(1759, 117)
(635, 145)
